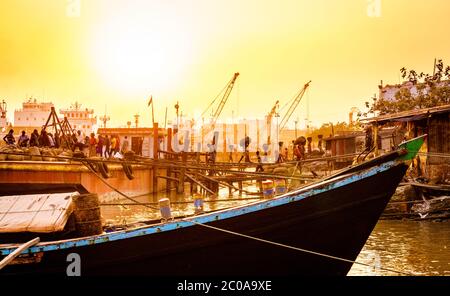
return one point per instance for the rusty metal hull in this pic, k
(334, 217)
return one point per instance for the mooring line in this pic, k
(84, 161)
(297, 248)
(158, 163)
(260, 239)
(117, 190)
(179, 202)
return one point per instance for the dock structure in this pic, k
(183, 172)
(208, 177)
(156, 164)
(188, 173)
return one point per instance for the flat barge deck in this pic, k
(22, 177)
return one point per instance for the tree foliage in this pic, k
(432, 90)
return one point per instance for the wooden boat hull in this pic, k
(326, 218)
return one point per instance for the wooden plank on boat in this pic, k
(42, 213)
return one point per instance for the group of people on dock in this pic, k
(298, 154)
(44, 139)
(101, 145)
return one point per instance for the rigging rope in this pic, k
(213, 101)
(256, 238)
(84, 162)
(434, 154)
(297, 248)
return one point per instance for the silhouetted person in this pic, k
(107, 146)
(125, 145)
(43, 139)
(92, 145)
(9, 138)
(100, 144)
(245, 156)
(34, 139)
(57, 140)
(23, 140)
(298, 154)
(212, 153)
(51, 141)
(259, 168)
(113, 146)
(117, 147)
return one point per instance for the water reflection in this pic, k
(417, 247)
(181, 204)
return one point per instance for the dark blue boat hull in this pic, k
(336, 222)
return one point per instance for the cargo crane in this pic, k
(293, 106)
(269, 117)
(228, 88)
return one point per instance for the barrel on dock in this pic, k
(268, 190)
(164, 208)
(198, 203)
(87, 214)
(280, 186)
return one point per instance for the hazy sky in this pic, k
(118, 52)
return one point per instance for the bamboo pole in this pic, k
(375, 136)
(8, 259)
(155, 140)
(180, 188)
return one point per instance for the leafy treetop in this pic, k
(432, 90)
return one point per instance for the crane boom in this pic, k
(269, 120)
(272, 112)
(227, 90)
(222, 102)
(293, 106)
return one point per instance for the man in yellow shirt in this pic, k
(112, 146)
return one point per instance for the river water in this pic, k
(413, 247)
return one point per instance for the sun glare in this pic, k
(133, 57)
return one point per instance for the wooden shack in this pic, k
(346, 145)
(435, 122)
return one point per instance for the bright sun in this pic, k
(135, 56)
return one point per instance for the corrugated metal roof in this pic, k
(410, 115)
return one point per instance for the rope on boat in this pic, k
(298, 249)
(178, 202)
(160, 163)
(256, 238)
(117, 190)
(434, 154)
(218, 165)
